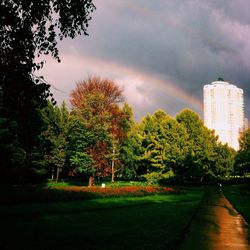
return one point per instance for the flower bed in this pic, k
(121, 192)
(76, 193)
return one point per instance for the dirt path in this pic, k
(217, 225)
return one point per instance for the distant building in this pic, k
(224, 111)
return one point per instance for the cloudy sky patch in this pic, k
(162, 52)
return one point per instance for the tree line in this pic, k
(98, 137)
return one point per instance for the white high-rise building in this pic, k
(224, 111)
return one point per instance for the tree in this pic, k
(78, 142)
(195, 130)
(176, 143)
(242, 163)
(97, 101)
(112, 93)
(206, 157)
(48, 157)
(131, 152)
(56, 120)
(156, 147)
(121, 123)
(224, 160)
(29, 29)
(168, 144)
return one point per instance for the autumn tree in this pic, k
(29, 29)
(97, 101)
(121, 123)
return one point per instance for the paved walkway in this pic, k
(217, 225)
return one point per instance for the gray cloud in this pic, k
(188, 43)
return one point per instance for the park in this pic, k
(88, 172)
(125, 216)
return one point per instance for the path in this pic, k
(217, 225)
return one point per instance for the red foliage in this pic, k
(121, 192)
(96, 100)
(98, 153)
(112, 93)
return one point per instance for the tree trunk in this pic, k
(52, 174)
(113, 167)
(91, 181)
(57, 173)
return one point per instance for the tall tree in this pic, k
(78, 143)
(157, 146)
(121, 123)
(97, 101)
(206, 157)
(198, 145)
(56, 120)
(29, 29)
(131, 152)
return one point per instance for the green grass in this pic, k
(239, 196)
(126, 184)
(151, 222)
(107, 183)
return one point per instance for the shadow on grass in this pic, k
(40, 194)
(148, 222)
(45, 194)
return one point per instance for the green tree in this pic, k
(29, 29)
(79, 140)
(206, 157)
(156, 147)
(170, 145)
(242, 160)
(131, 152)
(49, 156)
(195, 129)
(224, 160)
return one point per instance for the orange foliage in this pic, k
(122, 191)
(112, 93)
(98, 153)
(96, 99)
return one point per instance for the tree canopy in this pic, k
(29, 29)
(98, 102)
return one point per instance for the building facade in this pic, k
(224, 111)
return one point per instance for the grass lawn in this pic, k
(239, 196)
(150, 222)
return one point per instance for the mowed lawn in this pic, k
(150, 222)
(239, 196)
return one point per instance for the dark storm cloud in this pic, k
(189, 43)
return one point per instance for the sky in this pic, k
(160, 52)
